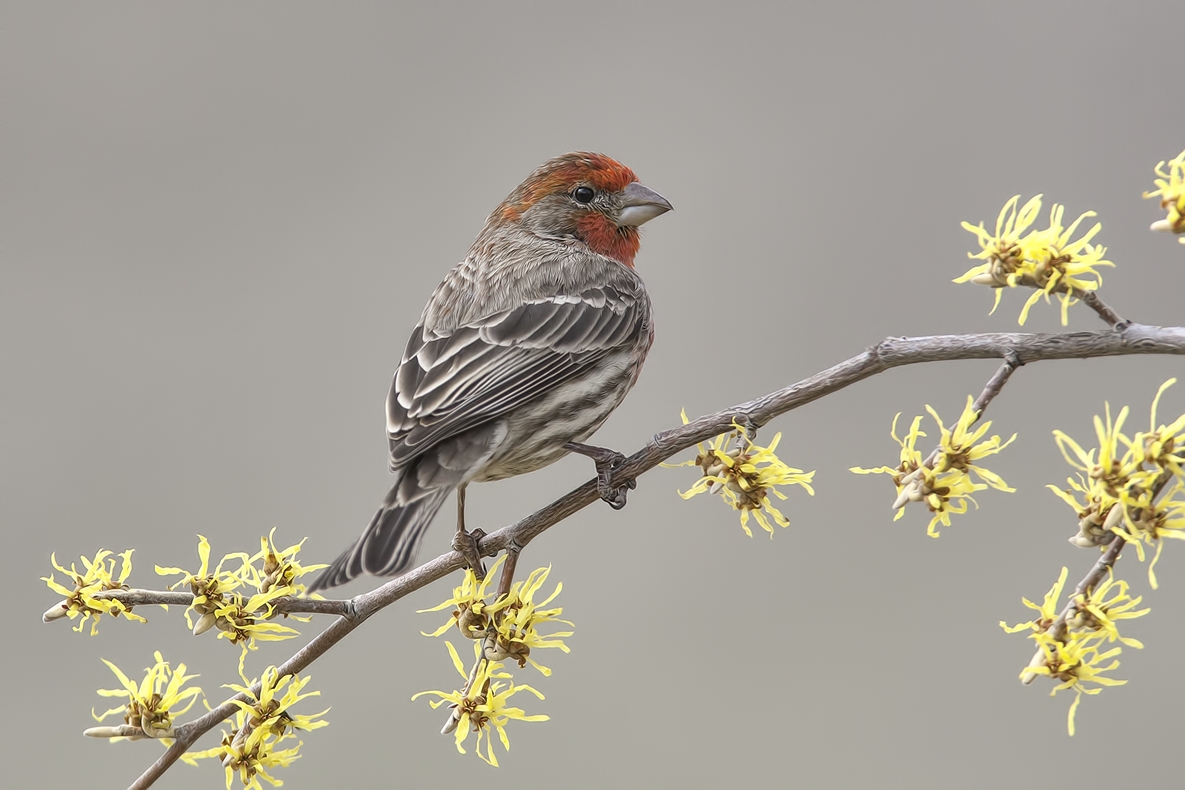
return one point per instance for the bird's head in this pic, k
(589, 197)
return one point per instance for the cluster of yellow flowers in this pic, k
(1074, 655)
(1049, 260)
(943, 481)
(1114, 493)
(80, 600)
(744, 475)
(217, 600)
(1170, 188)
(150, 706)
(482, 704)
(262, 722)
(220, 600)
(237, 602)
(505, 628)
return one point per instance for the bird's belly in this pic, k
(537, 431)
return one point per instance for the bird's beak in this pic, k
(641, 205)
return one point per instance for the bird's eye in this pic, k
(583, 194)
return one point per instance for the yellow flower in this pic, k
(470, 616)
(482, 705)
(238, 620)
(99, 577)
(958, 449)
(1050, 260)
(1047, 611)
(280, 567)
(1164, 518)
(1171, 189)
(517, 618)
(1075, 662)
(1062, 264)
(271, 710)
(946, 486)
(1003, 252)
(949, 498)
(1097, 514)
(745, 476)
(1113, 469)
(152, 704)
(1105, 478)
(1097, 611)
(209, 589)
(1164, 445)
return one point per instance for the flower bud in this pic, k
(55, 612)
(204, 623)
(1038, 660)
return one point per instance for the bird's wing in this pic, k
(448, 384)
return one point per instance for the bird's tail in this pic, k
(389, 543)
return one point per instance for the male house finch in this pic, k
(521, 353)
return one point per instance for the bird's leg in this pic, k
(465, 541)
(607, 461)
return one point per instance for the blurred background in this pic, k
(219, 221)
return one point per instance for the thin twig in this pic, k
(286, 605)
(990, 390)
(1091, 299)
(996, 383)
(890, 353)
(508, 568)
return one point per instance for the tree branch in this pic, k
(1013, 347)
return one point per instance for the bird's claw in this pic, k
(467, 544)
(607, 461)
(615, 497)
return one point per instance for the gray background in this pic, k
(220, 220)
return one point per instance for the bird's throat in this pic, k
(605, 238)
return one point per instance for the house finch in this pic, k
(521, 353)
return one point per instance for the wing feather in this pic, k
(449, 384)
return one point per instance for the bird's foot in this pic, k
(607, 462)
(467, 544)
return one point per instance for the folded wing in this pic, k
(451, 383)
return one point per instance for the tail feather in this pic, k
(389, 543)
